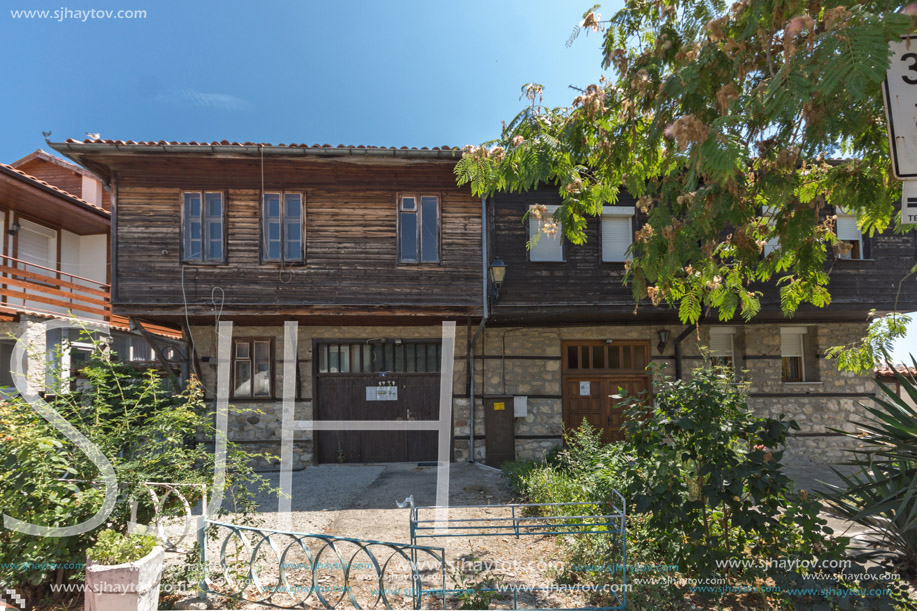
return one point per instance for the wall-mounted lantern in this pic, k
(497, 273)
(663, 335)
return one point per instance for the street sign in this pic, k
(899, 92)
(900, 95)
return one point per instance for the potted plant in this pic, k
(123, 573)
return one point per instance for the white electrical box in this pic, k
(520, 406)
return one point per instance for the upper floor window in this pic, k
(722, 346)
(770, 213)
(282, 227)
(252, 363)
(617, 232)
(418, 229)
(544, 247)
(203, 226)
(848, 231)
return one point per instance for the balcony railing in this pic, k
(27, 286)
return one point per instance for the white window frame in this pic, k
(769, 212)
(205, 220)
(536, 255)
(794, 332)
(846, 218)
(720, 332)
(617, 214)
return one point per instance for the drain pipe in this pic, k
(480, 329)
(678, 341)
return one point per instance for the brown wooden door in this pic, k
(596, 377)
(343, 397)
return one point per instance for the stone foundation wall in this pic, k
(527, 361)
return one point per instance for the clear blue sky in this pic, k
(390, 73)
(415, 73)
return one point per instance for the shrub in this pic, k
(708, 475)
(147, 432)
(882, 494)
(113, 548)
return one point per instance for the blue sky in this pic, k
(388, 73)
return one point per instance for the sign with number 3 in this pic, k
(899, 93)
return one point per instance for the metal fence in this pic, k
(298, 570)
(529, 519)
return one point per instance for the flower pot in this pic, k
(133, 586)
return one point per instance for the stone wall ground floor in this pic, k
(530, 362)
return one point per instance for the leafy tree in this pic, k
(734, 127)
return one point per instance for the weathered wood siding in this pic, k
(583, 288)
(351, 237)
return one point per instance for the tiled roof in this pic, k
(264, 144)
(886, 371)
(8, 169)
(46, 156)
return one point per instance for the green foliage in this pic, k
(720, 119)
(113, 548)
(147, 432)
(862, 356)
(708, 475)
(882, 494)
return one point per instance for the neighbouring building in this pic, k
(54, 265)
(371, 249)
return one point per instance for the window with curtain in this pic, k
(792, 353)
(848, 231)
(545, 248)
(722, 346)
(252, 368)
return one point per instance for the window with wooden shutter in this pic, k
(36, 244)
(848, 231)
(792, 352)
(545, 248)
(617, 232)
(722, 346)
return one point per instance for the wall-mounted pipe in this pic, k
(484, 289)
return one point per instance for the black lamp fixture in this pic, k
(14, 228)
(663, 335)
(497, 273)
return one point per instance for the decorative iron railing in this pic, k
(297, 570)
(166, 524)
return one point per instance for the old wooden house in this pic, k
(54, 266)
(371, 249)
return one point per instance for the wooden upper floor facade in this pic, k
(260, 232)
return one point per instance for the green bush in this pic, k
(147, 432)
(113, 548)
(708, 475)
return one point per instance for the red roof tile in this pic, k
(886, 371)
(227, 143)
(28, 177)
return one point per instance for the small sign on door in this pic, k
(499, 406)
(585, 389)
(381, 393)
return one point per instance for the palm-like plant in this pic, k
(882, 494)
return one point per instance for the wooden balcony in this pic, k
(28, 287)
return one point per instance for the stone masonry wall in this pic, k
(527, 361)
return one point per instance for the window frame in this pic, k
(616, 212)
(283, 260)
(551, 209)
(224, 199)
(804, 375)
(418, 213)
(715, 357)
(857, 253)
(232, 369)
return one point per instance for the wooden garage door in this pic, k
(594, 376)
(347, 370)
